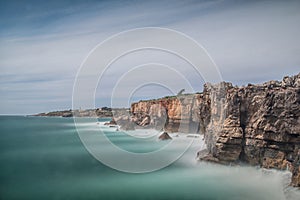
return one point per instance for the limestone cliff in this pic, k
(257, 124)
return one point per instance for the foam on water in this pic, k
(43, 158)
(280, 179)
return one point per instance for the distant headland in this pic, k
(98, 112)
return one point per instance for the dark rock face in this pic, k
(257, 124)
(165, 136)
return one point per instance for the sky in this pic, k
(44, 43)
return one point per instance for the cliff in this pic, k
(256, 124)
(178, 113)
(259, 124)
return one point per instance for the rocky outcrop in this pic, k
(122, 118)
(256, 124)
(111, 123)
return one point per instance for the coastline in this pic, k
(250, 130)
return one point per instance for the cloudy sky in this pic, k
(43, 43)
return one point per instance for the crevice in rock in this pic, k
(243, 117)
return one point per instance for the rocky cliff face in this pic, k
(257, 124)
(183, 113)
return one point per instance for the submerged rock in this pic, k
(165, 136)
(112, 122)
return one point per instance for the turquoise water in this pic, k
(43, 158)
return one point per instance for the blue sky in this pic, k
(43, 43)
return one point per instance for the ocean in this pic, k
(44, 158)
